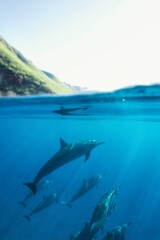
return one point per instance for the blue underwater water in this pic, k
(31, 128)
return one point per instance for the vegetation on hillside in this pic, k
(18, 76)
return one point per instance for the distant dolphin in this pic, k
(40, 186)
(67, 153)
(87, 185)
(46, 202)
(117, 233)
(68, 111)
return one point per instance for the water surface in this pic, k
(31, 128)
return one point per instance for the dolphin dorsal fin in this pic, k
(63, 143)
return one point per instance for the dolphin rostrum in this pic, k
(67, 153)
(86, 186)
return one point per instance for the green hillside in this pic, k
(18, 76)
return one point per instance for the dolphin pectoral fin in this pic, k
(23, 204)
(44, 197)
(129, 223)
(63, 143)
(32, 186)
(87, 156)
(69, 205)
(27, 217)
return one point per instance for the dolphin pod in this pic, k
(87, 185)
(103, 209)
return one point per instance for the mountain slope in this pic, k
(18, 76)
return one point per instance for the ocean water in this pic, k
(30, 129)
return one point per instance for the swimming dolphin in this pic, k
(67, 153)
(103, 209)
(117, 233)
(69, 111)
(87, 185)
(46, 202)
(40, 186)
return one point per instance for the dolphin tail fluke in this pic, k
(27, 217)
(66, 203)
(32, 186)
(23, 204)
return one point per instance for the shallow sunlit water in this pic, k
(31, 128)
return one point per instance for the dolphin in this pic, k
(87, 185)
(40, 186)
(67, 153)
(45, 202)
(117, 233)
(69, 111)
(103, 209)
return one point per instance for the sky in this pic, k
(99, 44)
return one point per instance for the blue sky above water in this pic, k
(102, 45)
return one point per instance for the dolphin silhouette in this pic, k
(44, 203)
(67, 153)
(86, 186)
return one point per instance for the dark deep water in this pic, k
(31, 129)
